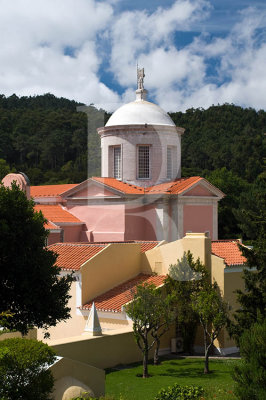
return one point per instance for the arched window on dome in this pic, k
(144, 162)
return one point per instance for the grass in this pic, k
(125, 382)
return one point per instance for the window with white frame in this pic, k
(169, 162)
(143, 162)
(117, 162)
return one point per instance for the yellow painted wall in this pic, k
(108, 350)
(217, 271)
(72, 327)
(117, 263)
(160, 258)
(71, 375)
(100, 351)
(31, 335)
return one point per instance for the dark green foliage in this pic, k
(253, 299)
(184, 279)
(30, 287)
(223, 136)
(47, 138)
(250, 373)
(234, 187)
(251, 212)
(178, 392)
(23, 370)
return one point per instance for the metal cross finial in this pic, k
(140, 75)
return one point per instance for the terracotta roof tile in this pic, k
(114, 299)
(72, 255)
(55, 213)
(229, 251)
(175, 187)
(50, 226)
(50, 190)
(119, 185)
(144, 245)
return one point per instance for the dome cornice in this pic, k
(138, 129)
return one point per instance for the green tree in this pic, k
(30, 286)
(252, 300)
(251, 211)
(166, 317)
(250, 373)
(212, 313)
(232, 185)
(23, 370)
(4, 168)
(184, 279)
(149, 314)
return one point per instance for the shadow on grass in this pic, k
(192, 373)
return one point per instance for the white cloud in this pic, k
(136, 35)
(37, 38)
(179, 78)
(34, 38)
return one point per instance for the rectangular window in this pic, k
(169, 163)
(143, 162)
(117, 162)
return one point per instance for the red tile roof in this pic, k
(114, 299)
(175, 187)
(50, 226)
(119, 185)
(50, 190)
(55, 213)
(71, 256)
(144, 245)
(229, 251)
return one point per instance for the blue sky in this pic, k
(195, 52)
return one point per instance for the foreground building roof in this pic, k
(229, 251)
(113, 300)
(71, 256)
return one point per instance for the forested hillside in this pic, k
(51, 142)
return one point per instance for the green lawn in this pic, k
(126, 383)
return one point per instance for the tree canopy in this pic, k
(24, 372)
(186, 278)
(150, 311)
(30, 287)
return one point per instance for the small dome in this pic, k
(140, 112)
(21, 180)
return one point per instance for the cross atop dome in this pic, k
(141, 93)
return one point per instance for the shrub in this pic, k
(24, 373)
(178, 392)
(250, 374)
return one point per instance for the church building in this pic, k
(140, 194)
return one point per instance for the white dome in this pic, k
(140, 112)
